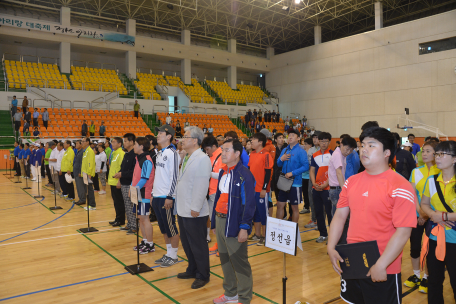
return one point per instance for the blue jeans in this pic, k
(334, 197)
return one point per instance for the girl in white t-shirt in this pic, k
(101, 167)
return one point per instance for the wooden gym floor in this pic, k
(45, 259)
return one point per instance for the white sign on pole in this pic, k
(282, 236)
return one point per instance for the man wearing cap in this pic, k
(164, 193)
(67, 169)
(14, 105)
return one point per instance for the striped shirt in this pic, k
(166, 172)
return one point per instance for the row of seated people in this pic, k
(93, 79)
(20, 73)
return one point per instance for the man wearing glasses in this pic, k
(318, 174)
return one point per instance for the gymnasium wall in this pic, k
(341, 84)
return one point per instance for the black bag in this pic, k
(429, 227)
(284, 183)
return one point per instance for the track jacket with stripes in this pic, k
(166, 172)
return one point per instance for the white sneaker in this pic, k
(90, 208)
(101, 192)
(33, 180)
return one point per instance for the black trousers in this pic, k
(69, 187)
(17, 167)
(63, 184)
(27, 169)
(35, 122)
(305, 193)
(119, 205)
(48, 173)
(17, 125)
(437, 272)
(193, 234)
(45, 123)
(43, 173)
(136, 113)
(96, 184)
(415, 240)
(24, 109)
(322, 203)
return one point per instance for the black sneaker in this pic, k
(124, 228)
(168, 262)
(142, 244)
(147, 248)
(412, 281)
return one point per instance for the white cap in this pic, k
(36, 144)
(407, 144)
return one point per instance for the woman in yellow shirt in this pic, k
(442, 217)
(418, 180)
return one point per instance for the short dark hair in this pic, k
(385, 137)
(231, 134)
(27, 144)
(130, 137)
(142, 141)
(22, 146)
(87, 139)
(107, 138)
(209, 142)
(101, 145)
(60, 144)
(324, 135)
(349, 141)
(396, 136)
(410, 135)
(237, 145)
(68, 142)
(119, 140)
(277, 135)
(261, 137)
(343, 135)
(369, 124)
(41, 144)
(309, 141)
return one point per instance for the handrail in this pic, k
(112, 103)
(163, 85)
(11, 82)
(73, 61)
(37, 61)
(40, 92)
(55, 59)
(153, 108)
(11, 54)
(96, 104)
(75, 101)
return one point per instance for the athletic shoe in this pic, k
(69, 199)
(253, 238)
(131, 231)
(49, 185)
(142, 244)
(33, 179)
(412, 281)
(161, 260)
(217, 254)
(304, 211)
(90, 208)
(261, 242)
(311, 224)
(321, 239)
(168, 262)
(147, 248)
(224, 299)
(423, 286)
(101, 192)
(96, 190)
(125, 228)
(214, 248)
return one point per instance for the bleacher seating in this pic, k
(173, 81)
(67, 122)
(146, 85)
(35, 74)
(220, 123)
(253, 94)
(93, 79)
(198, 94)
(225, 92)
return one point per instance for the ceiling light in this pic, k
(297, 1)
(285, 8)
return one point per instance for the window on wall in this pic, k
(437, 46)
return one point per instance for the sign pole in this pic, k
(284, 279)
(55, 192)
(88, 229)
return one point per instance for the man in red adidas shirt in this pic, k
(260, 164)
(381, 204)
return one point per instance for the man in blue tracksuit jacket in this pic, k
(234, 207)
(294, 162)
(244, 156)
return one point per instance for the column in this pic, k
(232, 77)
(65, 53)
(130, 56)
(185, 37)
(269, 52)
(186, 71)
(317, 34)
(378, 15)
(65, 13)
(232, 46)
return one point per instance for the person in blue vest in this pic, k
(17, 167)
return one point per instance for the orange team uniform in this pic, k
(272, 150)
(378, 205)
(217, 166)
(258, 163)
(321, 163)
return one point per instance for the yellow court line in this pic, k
(54, 237)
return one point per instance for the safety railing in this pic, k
(30, 57)
(19, 58)
(163, 85)
(231, 101)
(159, 106)
(116, 103)
(295, 116)
(77, 102)
(52, 59)
(11, 85)
(98, 104)
(95, 65)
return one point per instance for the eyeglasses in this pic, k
(187, 137)
(441, 154)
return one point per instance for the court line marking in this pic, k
(150, 284)
(53, 227)
(52, 237)
(39, 201)
(17, 206)
(39, 226)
